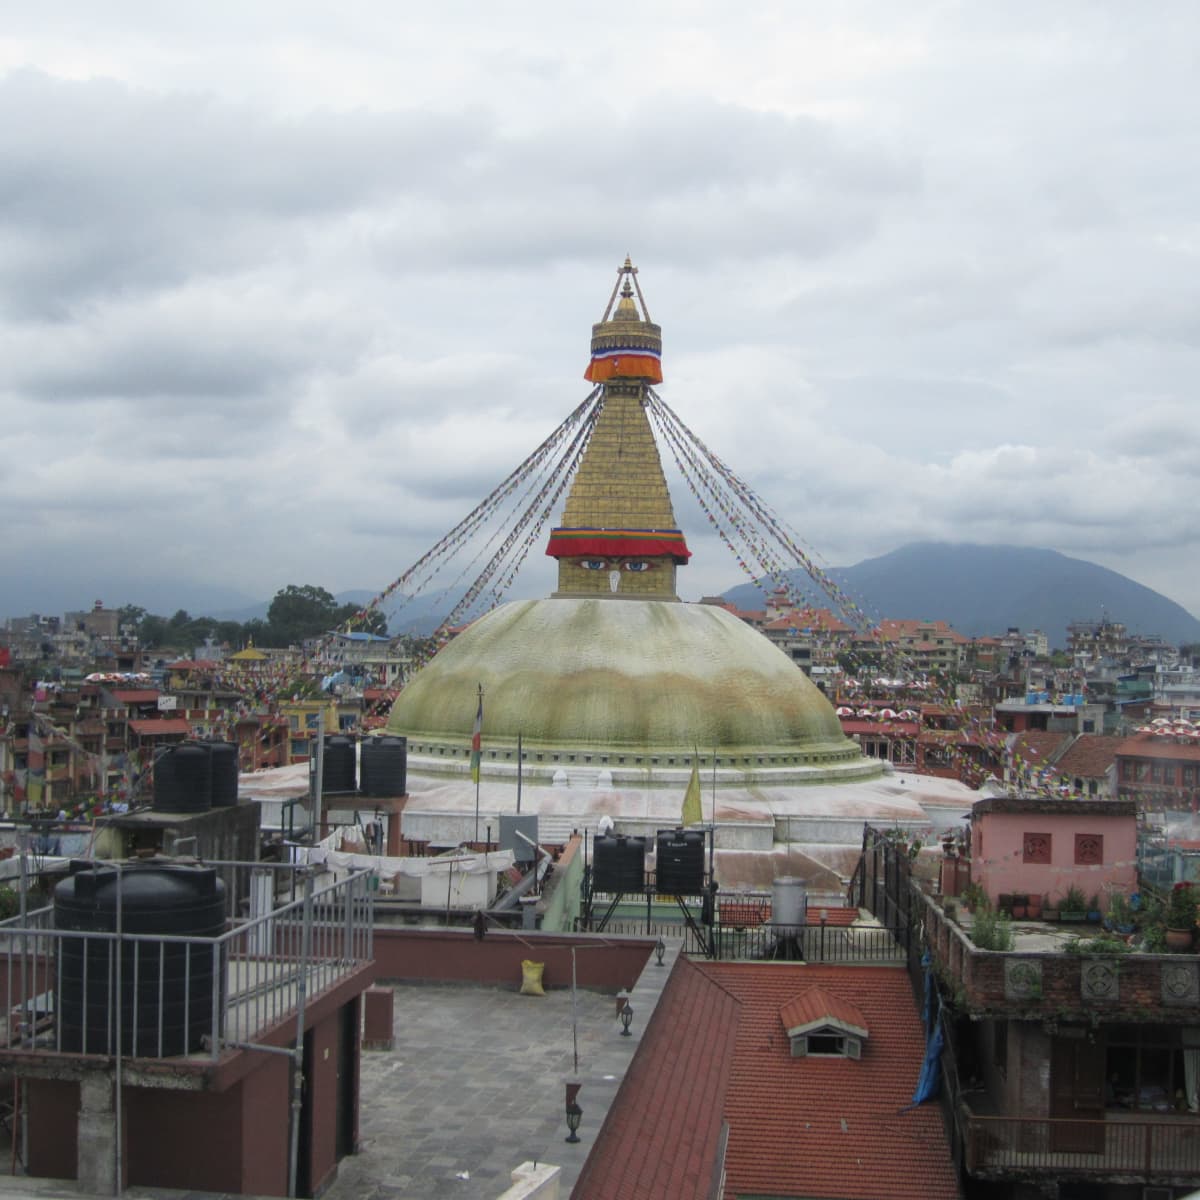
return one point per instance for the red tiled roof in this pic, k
(1039, 745)
(862, 725)
(1090, 755)
(815, 1007)
(1149, 746)
(827, 1127)
(662, 1133)
(830, 1127)
(160, 728)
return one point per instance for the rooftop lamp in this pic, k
(574, 1116)
(660, 950)
(626, 1019)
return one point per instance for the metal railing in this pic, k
(150, 995)
(1168, 1146)
(813, 943)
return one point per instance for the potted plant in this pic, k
(1074, 905)
(1050, 910)
(1181, 917)
(1033, 906)
(1093, 909)
(1120, 914)
(1019, 903)
(1004, 903)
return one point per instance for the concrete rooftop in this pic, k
(473, 1087)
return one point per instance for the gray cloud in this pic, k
(312, 284)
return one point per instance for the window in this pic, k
(1143, 1069)
(1036, 848)
(826, 1043)
(1089, 849)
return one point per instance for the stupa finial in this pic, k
(626, 344)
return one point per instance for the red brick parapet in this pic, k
(1055, 985)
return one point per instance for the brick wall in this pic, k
(1045, 986)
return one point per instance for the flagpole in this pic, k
(479, 765)
(520, 756)
(712, 838)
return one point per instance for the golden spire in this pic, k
(618, 534)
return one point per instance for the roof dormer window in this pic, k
(822, 1025)
(829, 1042)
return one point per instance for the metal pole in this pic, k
(118, 1158)
(520, 758)
(318, 829)
(298, 1053)
(574, 1014)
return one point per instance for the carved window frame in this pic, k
(1037, 848)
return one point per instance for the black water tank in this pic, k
(183, 779)
(339, 771)
(224, 774)
(680, 866)
(618, 863)
(166, 990)
(383, 766)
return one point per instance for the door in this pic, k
(1077, 1091)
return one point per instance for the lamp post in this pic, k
(574, 1116)
(626, 1019)
(660, 951)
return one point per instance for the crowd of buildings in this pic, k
(83, 708)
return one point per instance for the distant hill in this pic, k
(982, 590)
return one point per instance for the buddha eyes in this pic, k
(636, 565)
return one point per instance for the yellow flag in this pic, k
(691, 798)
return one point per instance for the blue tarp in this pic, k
(931, 1074)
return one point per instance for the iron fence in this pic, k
(287, 933)
(813, 943)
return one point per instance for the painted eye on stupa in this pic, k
(593, 564)
(639, 564)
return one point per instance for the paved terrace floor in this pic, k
(473, 1087)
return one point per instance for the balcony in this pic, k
(1137, 1149)
(1037, 980)
(288, 934)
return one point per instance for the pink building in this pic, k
(1032, 845)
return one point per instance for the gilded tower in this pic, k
(618, 536)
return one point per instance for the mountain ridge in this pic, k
(983, 590)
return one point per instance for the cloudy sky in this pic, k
(288, 287)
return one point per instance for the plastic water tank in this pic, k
(789, 905)
(619, 863)
(224, 774)
(339, 773)
(680, 862)
(166, 989)
(183, 779)
(383, 766)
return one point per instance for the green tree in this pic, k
(303, 612)
(152, 631)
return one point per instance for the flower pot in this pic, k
(1072, 916)
(1018, 912)
(1004, 902)
(1033, 910)
(1180, 939)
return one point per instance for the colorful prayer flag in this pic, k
(692, 814)
(476, 740)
